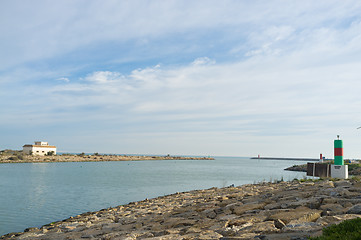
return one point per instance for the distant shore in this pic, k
(20, 158)
(285, 158)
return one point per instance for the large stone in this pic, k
(300, 215)
(355, 209)
(239, 210)
(274, 205)
(302, 227)
(247, 219)
(279, 224)
(209, 213)
(333, 209)
(178, 222)
(260, 227)
(289, 235)
(208, 235)
(241, 236)
(327, 220)
(313, 203)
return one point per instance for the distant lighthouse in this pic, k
(339, 170)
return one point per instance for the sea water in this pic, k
(35, 194)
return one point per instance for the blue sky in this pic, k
(229, 78)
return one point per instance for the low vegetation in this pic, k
(347, 230)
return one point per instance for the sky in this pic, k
(212, 78)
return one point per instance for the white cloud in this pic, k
(63, 79)
(102, 77)
(203, 61)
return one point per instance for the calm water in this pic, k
(34, 194)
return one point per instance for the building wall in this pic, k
(38, 150)
(27, 149)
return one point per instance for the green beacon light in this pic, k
(338, 150)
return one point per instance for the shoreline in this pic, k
(281, 210)
(89, 158)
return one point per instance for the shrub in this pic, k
(346, 230)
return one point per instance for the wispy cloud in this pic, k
(64, 79)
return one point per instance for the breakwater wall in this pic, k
(286, 158)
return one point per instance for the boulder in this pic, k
(239, 210)
(332, 209)
(300, 215)
(302, 227)
(313, 203)
(260, 227)
(336, 219)
(355, 209)
(279, 224)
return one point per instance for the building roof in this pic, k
(39, 146)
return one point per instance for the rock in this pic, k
(241, 236)
(302, 215)
(209, 213)
(33, 229)
(313, 203)
(327, 184)
(302, 227)
(327, 220)
(209, 235)
(347, 217)
(260, 227)
(288, 236)
(271, 206)
(279, 224)
(343, 183)
(355, 209)
(239, 210)
(250, 218)
(332, 209)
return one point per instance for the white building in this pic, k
(39, 148)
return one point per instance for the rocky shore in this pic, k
(282, 210)
(20, 158)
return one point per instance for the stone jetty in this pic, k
(281, 210)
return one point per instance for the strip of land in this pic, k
(269, 211)
(20, 158)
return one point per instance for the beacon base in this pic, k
(339, 171)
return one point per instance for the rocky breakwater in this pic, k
(284, 210)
